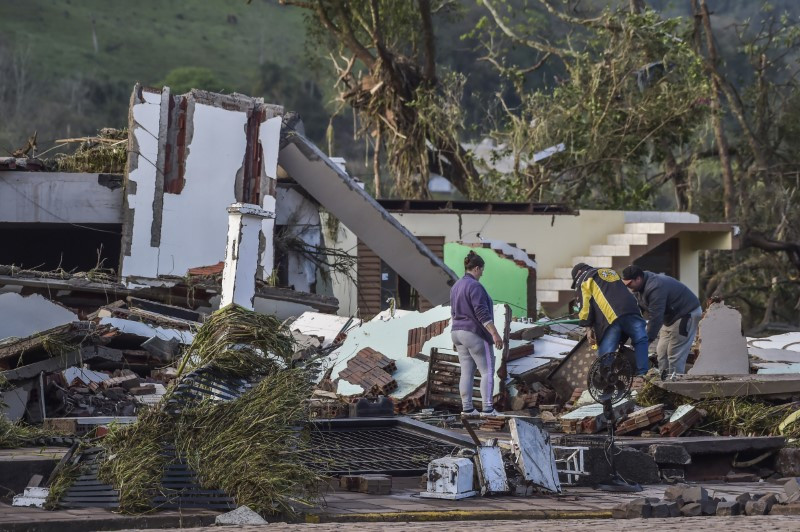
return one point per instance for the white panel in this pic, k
(195, 222)
(534, 455)
(143, 259)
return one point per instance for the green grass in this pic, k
(143, 40)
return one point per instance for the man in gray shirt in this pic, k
(673, 313)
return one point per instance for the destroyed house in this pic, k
(164, 228)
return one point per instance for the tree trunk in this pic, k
(716, 113)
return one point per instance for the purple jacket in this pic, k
(471, 307)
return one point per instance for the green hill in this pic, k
(144, 40)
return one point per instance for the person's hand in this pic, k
(498, 341)
(590, 336)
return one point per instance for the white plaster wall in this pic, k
(344, 289)
(23, 316)
(269, 136)
(195, 222)
(143, 259)
(58, 197)
(241, 260)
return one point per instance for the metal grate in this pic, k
(388, 450)
(87, 491)
(205, 383)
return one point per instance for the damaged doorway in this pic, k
(378, 282)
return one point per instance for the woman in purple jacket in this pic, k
(473, 333)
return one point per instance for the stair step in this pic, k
(609, 250)
(647, 228)
(563, 273)
(554, 284)
(547, 296)
(595, 261)
(629, 239)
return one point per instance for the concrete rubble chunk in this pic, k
(240, 516)
(756, 508)
(709, 506)
(638, 508)
(620, 511)
(743, 499)
(662, 509)
(770, 499)
(672, 493)
(793, 508)
(694, 494)
(792, 489)
(670, 454)
(787, 463)
(723, 347)
(728, 508)
(692, 509)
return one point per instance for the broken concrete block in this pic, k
(672, 493)
(792, 489)
(240, 516)
(770, 499)
(793, 508)
(709, 506)
(728, 508)
(633, 465)
(352, 482)
(670, 454)
(694, 494)
(620, 511)
(638, 508)
(743, 499)
(692, 509)
(787, 463)
(756, 508)
(375, 484)
(662, 509)
(723, 347)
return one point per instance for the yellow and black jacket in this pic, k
(602, 298)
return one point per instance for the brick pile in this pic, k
(418, 336)
(641, 419)
(372, 371)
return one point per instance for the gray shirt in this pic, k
(665, 300)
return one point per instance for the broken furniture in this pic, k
(450, 478)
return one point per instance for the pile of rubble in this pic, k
(693, 501)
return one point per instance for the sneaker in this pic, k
(472, 412)
(491, 412)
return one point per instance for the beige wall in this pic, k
(554, 239)
(689, 246)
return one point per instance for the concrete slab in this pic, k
(723, 347)
(699, 386)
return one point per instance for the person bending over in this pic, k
(609, 311)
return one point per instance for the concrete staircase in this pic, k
(619, 250)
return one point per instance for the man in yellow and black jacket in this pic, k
(609, 312)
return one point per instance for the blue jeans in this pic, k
(634, 327)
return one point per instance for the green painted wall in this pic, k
(505, 281)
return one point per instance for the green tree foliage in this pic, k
(183, 79)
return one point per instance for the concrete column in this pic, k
(242, 254)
